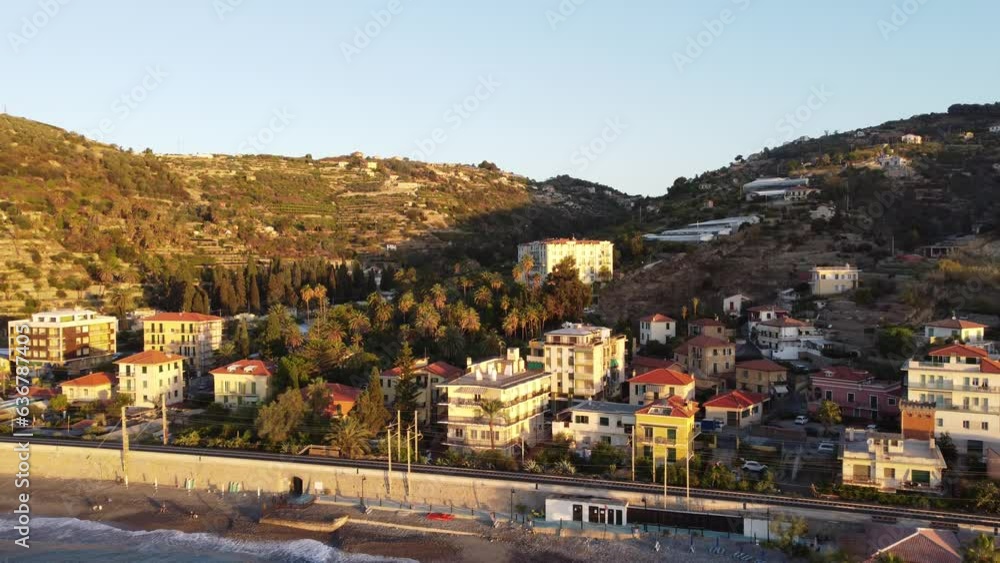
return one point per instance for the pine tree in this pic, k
(242, 340)
(407, 388)
(254, 295)
(371, 406)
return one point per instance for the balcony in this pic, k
(952, 406)
(889, 484)
(474, 403)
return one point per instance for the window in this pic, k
(965, 424)
(458, 432)
(648, 432)
(604, 421)
(581, 419)
(892, 401)
(940, 422)
(850, 397)
(986, 425)
(829, 395)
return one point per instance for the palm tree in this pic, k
(307, 296)
(319, 293)
(983, 549)
(406, 303)
(349, 436)
(465, 283)
(694, 306)
(684, 312)
(491, 411)
(438, 296)
(482, 296)
(468, 320)
(511, 322)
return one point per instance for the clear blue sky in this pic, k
(221, 69)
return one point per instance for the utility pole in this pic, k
(164, 408)
(666, 452)
(632, 439)
(388, 432)
(687, 477)
(124, 449)
(522, 450)
(407, 456)
(416, 436)
(399, 425)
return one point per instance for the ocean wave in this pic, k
(58, 531)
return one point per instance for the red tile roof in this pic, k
(960, 350)
(707, 322)
(843, 373)
(704, 341)
(441, 369)
(183, 317)
(647, 362)
(663, 376)
(675, 406)
(987, 365)
(656, 318)
(343, 393)
(92, 380)
(736, 400)
(41, 393)
(150, 357)
(245, 367)
(925, 546)
(955, 323)
(761, 365)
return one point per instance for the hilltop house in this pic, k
(243, 382)
(890, 462)
(705, 355)
(733, 305)
(911, 139)
(962, 383)
(659, 383)
(831, 280)
(856, 392)
(968, 332)
(93, 387)
(656, 327)
(761, 313)
(594, 258)
(784, 338)
(737, 409)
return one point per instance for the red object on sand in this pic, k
(440, 516)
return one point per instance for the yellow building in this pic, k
(705, 356)
(762, 376)
(244, 382)
(585, 362)
(193, 335)
(594, 258)
(72, 338)
(523, 396)
(831, 280)
(955, 329)
(665, 429)
(92, 387)
(149, 375)
(430, 377)
(657, 384)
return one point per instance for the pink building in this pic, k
(857, 392)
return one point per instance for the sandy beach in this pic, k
(235, 516)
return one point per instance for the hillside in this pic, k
(946, 187)
(79, 216)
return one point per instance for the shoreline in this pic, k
(400, 535)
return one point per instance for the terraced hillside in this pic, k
(79, 216)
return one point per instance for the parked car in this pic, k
(801, 419)
(871, 427)
(750, 465)
(826, 448)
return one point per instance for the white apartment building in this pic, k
(784, 338)
(76, 339)
(193, 335)
(831, 280)
(149, 375)
(964, 385)
(656, 327)
(591, 422)
(584, 362)
(594, 258)
(891, 463)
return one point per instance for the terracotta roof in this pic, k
(150, 357)
(781, 322)
(441, 369)
(704, 341)
(245, 367)
(761, 365)
(955, 323)
(183, 317)
(674, 405)
(41, 393)
(736, 400)
(92, 380)
(647, 362)
(987, 365)
(960, 350)
(663, 376)
(341, 393)
(656, 318)
(707, 322)
(844, 373)
(925, 546)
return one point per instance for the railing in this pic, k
(474, 403)
(891, 484)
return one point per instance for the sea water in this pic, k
(64, 540)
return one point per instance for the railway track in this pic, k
(874, 510)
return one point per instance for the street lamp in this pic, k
(512, 505)
(363, 479)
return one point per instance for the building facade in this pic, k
(243, 383)
(857, 392)
(656, 328)
(594, 258)
(764, 313)
(890, 462)
(665, 430)
(194, 336)
(659, 384)
(521, 394)
(430, 377)
(707, 327)
(761, 376)
(784, 338)
(73, 339)
(92, 387)
(963, 383)
(150, 375)
(832, 280)
(738, 409)
(706, 356)
(589, 423)
(584, 362)
(957, 330)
